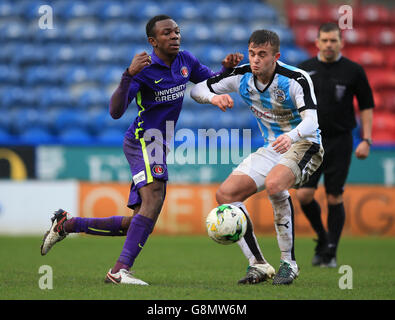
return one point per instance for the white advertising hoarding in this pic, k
(26, 207)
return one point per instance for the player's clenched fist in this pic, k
(222, 101)
(138, 63)
(232, 60)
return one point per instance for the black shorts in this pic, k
(335, 166)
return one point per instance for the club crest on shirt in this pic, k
(279, 95)
(158, 169)
(184, 71)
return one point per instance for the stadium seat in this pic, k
(388, 100)
(305, 35)
(29, 54)
(75, 136)
(64, 53)
(55, 97)
(75, 9)
(6, 138)
(356, 37)
(145, 10)
(383, 131)
(43, 75)
(124, 32)
(382, 36)
(372, 15)
(257, 11)
(111, 137)
(9, 74)
(381, 80)
(111, 10)
(367, 57)
(14, 30)
(83, 31)
(185, 10)
(303, 14)
(36, 136)
(293, 55)
(93, 96)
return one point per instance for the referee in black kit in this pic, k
(336, 80)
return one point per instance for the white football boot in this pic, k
(56, 233)
(258, 273)
(123, 276)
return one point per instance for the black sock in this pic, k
(336, 219)
(312, 211)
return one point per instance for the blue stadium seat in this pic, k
(144, 10)
(124, 32)
(293, 55)
(64, 53)
(9, 74)
(287, 38)
(75, 136)
(111, 137)
(233, 33)
(185, 10)
(214, 54)
(83, 31)
(55, 97)
(100, 54)
(75, 9)
(29, 54)
(257, 11)
(7, 9)
(42, 75)
(45, 36)
(6, 138)
(25, 118)
(36, 136)
(109, 74)
(30, 8)
(14, 96)
(69, 119)
(93, 96)
(197, 33)
(219, 11)
(116, 10)
(14, 30)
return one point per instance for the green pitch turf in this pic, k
(189, 268)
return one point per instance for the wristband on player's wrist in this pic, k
(369, 141)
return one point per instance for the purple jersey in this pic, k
(159, 91)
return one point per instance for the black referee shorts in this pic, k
(336, 163)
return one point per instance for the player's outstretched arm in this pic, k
(202, 94)
(127, 88)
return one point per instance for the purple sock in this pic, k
(97, 226)
(138, 232)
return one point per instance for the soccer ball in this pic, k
(226, 224)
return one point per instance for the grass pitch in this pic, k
(189, 268)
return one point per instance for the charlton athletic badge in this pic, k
(158, 170)
(184, 71)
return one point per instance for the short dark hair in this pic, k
(265, 36)
(328, 27)
(149, 28)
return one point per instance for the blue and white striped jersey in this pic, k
(278, 106)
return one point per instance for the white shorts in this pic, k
(303, 158)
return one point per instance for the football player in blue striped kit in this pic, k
(282, 99)
(157, 83)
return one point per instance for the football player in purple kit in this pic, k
(157, 82)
